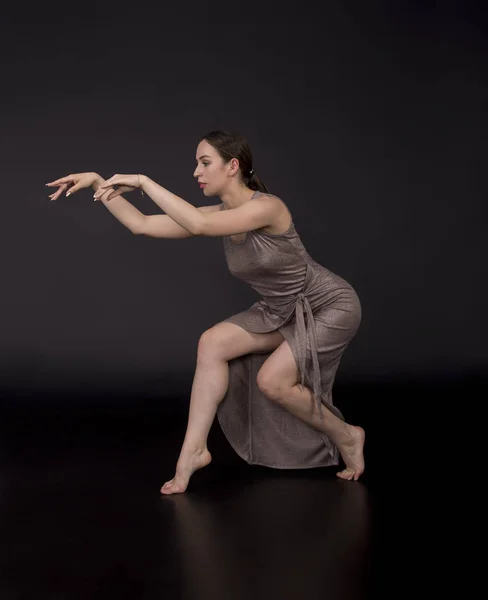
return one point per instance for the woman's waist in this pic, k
(320, 288)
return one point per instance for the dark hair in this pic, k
(232, 145)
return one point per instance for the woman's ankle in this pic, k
(190, 448)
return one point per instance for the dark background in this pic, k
(368, 119)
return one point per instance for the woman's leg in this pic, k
(216, 347)
(278, 379)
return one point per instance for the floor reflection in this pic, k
(278, 537)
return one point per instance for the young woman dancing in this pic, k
(268, 371)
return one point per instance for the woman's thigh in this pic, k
(226, 341)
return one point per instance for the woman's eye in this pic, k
(204, 164)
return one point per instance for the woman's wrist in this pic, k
(143, 179)
(97, 182)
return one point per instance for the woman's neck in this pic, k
(237, 197)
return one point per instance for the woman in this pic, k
(252, 367)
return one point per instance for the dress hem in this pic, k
(333, 463)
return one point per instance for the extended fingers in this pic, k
(110, 182)
(120, 190)
(102, 194)
(73, 189)
(67, 179)
(57, 193)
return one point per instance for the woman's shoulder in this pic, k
(283, 220)
(216, 207)
(267, 194)
(279, 200)
(280, 203)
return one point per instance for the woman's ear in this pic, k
(234, 166)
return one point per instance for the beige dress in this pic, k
(318, 313)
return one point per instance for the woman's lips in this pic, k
(202, 185)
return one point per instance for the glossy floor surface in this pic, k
(81, 515)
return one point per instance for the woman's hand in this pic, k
(121, 184)
(74, 182)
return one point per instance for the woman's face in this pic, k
(211, 172)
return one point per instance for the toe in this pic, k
(173, 487)
(167, 486)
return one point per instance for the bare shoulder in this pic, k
(283, 219)
(272, 199)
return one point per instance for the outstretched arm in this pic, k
(162, 226)
(253, 214)
(159, 226)
(122, 210)
(181, 211)
(127, 214)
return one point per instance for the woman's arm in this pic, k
(163, 226)
(138, 223)
(127, 214)
(181, 211)
(121, 209)
(159, 226)
(252, 215)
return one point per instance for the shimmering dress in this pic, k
(318, 313)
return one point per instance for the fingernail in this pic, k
(68, 193)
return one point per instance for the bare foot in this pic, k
(352, 455)
(184, 470)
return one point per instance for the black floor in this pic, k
(81, 516)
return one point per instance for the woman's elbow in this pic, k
(139, 227)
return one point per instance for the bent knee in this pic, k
(271, 387)
(209, 344)
(216, 343)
